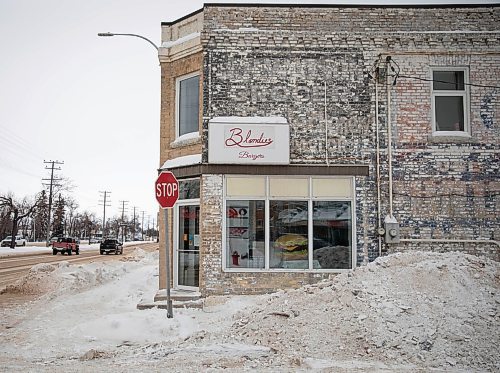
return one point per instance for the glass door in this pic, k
(188, 247)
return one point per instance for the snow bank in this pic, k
(421, 309)
(408, 311)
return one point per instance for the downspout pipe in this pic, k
(326, 132)
(389, 135)
(377, 140)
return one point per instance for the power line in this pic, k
(18, 143)
(443, 81)
(394, 66)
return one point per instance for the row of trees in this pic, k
(29, 216)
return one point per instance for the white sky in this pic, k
(94, 103)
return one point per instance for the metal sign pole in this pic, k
(167, 259)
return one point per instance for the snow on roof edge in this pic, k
(171, 43)
(250, 120)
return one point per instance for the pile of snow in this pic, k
(422, 309)
(402, 312)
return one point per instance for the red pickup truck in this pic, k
(66, 245)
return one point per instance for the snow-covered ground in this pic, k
(404, 312)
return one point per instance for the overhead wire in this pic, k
(396, 70)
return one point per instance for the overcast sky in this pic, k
(90, 102)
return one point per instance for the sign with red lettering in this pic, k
(166, 189)
(249, 140)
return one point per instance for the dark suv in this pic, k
(110, 245)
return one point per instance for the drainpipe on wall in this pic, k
(380, 229)
(389, 135)
(326, 133)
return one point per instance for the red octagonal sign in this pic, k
(167, 189)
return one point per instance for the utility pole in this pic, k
(142, 227)
(148, 231)
(52, 180)
(123, 224)
(154, 227)
(133, 224)
(105, 194)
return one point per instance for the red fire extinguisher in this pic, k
(235, 257)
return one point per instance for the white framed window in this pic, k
(450, 101)
(288, 223)
(187, 98)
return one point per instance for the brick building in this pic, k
(309, 140)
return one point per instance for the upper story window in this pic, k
(187, 104)
(450, 101)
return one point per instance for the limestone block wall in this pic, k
(311, 66)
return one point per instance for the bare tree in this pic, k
(19, 209)
(71, 207)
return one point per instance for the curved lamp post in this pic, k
(134, 35)
(170, 313)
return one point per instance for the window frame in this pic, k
(310, 200)
(178, 81)
(465, 94)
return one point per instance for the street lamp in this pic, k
(170, 313)
(134, 35)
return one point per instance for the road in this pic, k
(14, 267)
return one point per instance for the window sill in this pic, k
(186, 140)
(283, 270)
(450, 137)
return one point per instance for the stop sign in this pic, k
(167, 189)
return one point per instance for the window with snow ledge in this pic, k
(187, 139)
(187, 97)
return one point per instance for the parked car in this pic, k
(110, 245)
(19, 241)
(66, 245)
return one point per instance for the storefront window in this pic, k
(245, 234)
(332, 235)
(288, 225)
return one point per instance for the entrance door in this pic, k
(188, 247)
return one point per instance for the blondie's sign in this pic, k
(248, 140)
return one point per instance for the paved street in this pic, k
(16, 266)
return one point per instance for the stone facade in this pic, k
(325, 69)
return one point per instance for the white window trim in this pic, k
(175, 240)
(466, 101)
(266, 200)
(178, 81)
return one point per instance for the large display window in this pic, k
(288, 223)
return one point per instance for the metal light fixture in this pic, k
(106, 34)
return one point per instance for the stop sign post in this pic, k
(167, 193)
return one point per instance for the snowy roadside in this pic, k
(39, 248)
(404, 312)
